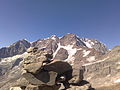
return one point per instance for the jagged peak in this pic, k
(70, 34)
(53, 37)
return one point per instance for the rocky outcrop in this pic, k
(105, 72)
(17, 48)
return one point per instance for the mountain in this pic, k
(70, 48)
(53, 44)
(16, 48)
(104, 74)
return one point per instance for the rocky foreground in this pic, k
(39, 72)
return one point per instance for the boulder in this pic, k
(33, 67)
(33, 62)
(77, 75)
(58, 66)
(43, 78)
(63, 69)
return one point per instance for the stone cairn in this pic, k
(42, 73)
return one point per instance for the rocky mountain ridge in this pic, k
(16, 48)
(105, 73)
(52, 44)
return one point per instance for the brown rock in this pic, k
(33, 67)
(42, 78)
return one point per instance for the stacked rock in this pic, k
(35, 73)
(42, 73)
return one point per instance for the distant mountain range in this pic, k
(54, 44)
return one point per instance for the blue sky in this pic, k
(34, 19)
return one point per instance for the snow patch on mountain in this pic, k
(71, 51)
(117, 81)
(118, 62)
(59, 46)
(88, 42)
(53, 37)
(10, 59)
(91, 58)
(85, 53)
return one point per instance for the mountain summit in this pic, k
(16, 48)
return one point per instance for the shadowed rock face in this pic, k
(17, 48)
